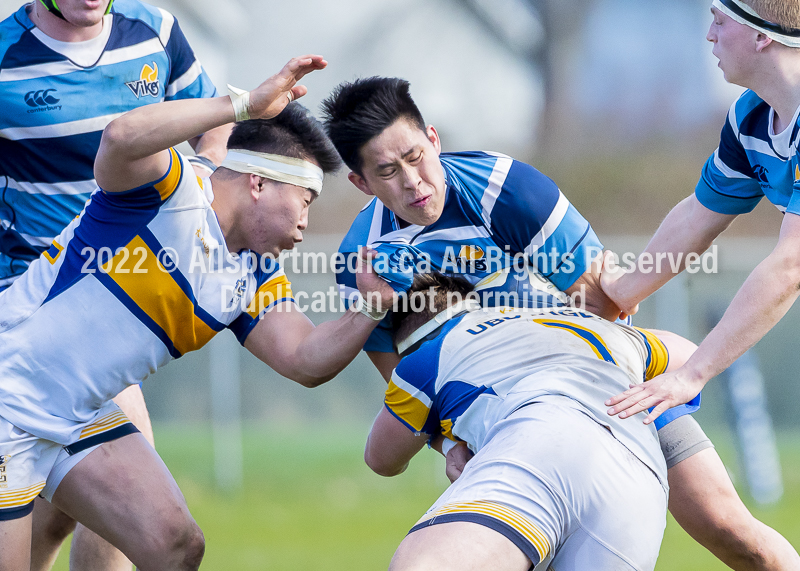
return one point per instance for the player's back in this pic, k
(488, 363)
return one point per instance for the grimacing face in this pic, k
(401, 167)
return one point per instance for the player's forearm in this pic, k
(330, 347)
(213, 144)
(148, 130)
(688, 228)
(762, 301)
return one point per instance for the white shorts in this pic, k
(562, 489)
(31, 466)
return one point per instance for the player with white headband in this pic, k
(757, 43)
(147, 301)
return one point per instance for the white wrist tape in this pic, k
(241, 102)
(448, 445)
(363, 306)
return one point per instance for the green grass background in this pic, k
(310, 502)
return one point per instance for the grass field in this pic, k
(310, 502)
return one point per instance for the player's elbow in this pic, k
(312, 381)
(382, 465)
(115, 136)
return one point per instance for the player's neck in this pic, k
(779, 87)
(224, 208)
(59, 29)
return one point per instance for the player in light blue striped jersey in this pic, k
(757, 43)
(66, 70)
(459, 208)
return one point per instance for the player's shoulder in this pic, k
(478, 170)
(745, 106)
(358, 233)
(157, 19)
(12, 29)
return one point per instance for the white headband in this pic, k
(275, 167)
(744, 14)
(438, 320)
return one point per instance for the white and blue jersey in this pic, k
(495, 208)
(55, 100)
(139, 278)
(483, 365)
(752, 161)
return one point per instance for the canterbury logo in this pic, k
(41, 98)
(147, 84)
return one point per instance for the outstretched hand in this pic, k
(271, 97)
(663, 392)
(370, 284)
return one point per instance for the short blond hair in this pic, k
(785, 13)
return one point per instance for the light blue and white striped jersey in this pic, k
(752, 161)
(481, 366)
(495, 208)
(55, 100)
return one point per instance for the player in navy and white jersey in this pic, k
(66, 70)
(158, 262)
(757, 43)
(393, 155)
(553, 475)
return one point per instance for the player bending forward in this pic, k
(554, 480)
(78, 327)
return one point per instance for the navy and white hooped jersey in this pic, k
(495, 208)
(483, 365)
(752, 161)
(55, 100)
(139, 278)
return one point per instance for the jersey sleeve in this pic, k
(270, 288)
(152, 194)
(187, 78)
(533, 216)
(794, 200)
(411, 392)
(727, 183)
(657, 354)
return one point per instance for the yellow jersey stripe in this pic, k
(276, 289)
(408, 408)
(597, 345)
(157, 294)
(167, 185)
(659, 355)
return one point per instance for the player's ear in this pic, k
(762, 41)
(433, 137)
(360, 183)
(256, 185)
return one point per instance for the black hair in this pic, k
(442, 291)
(294, 132)
(356, 112)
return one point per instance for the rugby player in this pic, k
(476, 202)
(158, 262)
(66, 70)
(553, 480)
(757, 43)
